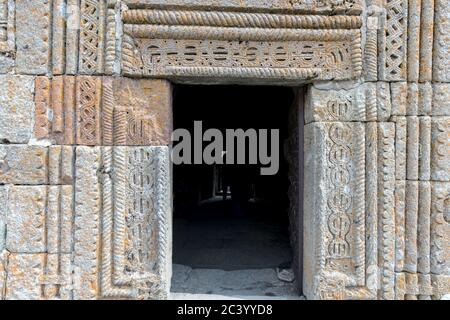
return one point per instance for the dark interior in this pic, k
(229, 217)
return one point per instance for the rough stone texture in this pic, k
(24, 275)
(21, 164)
(16, 108)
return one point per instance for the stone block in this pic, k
(23, 164)
(140, 109)
(441, 99)
(336, 105)
(16, 108)
(334, 152)
(26, 219)
(24, 276)
(33, 35)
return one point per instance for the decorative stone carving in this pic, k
(38, 276)
(313, 6)
(136, 112)
(135, 246)
(103, 111)
(183, 44)
(26, 219)
(440, 149)
(92, 36)
(393, 41)
(22, 164)
(336, 105)
(386, 214)
(33, 36)
(440, 228)
(335, 257)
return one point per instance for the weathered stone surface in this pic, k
(338, 180)
(441, 285)
(26, 219)
(423, 228)
(87, 222)
(386, 211)
(59, 219)
(400, 147)
(24, 276)
(440, 228)
(33, 35)
(425, 99)
(440, 148)
(441, 99)
(399, 92)
(137, 112)
(411, 218)
(425, 148)
(57, 277)
(384, 103)
(16, 108)
(441, 49)
(393, 41)
(60, 164)
(3, 272)
(125, 267)
(3, 212)
(400, 198)
(310, 6)
(336, 105)
(332, 54)
(412, 147)
(22, 164)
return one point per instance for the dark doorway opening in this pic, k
(234, 230)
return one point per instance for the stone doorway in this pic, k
(236, 233)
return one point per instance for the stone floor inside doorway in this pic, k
(218, 256)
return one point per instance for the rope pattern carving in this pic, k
(244, 20)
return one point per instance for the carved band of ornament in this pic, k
(243, 20)
(237, 34)
(274, 73)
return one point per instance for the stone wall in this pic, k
(85, 185)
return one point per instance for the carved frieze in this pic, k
(213, 44)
